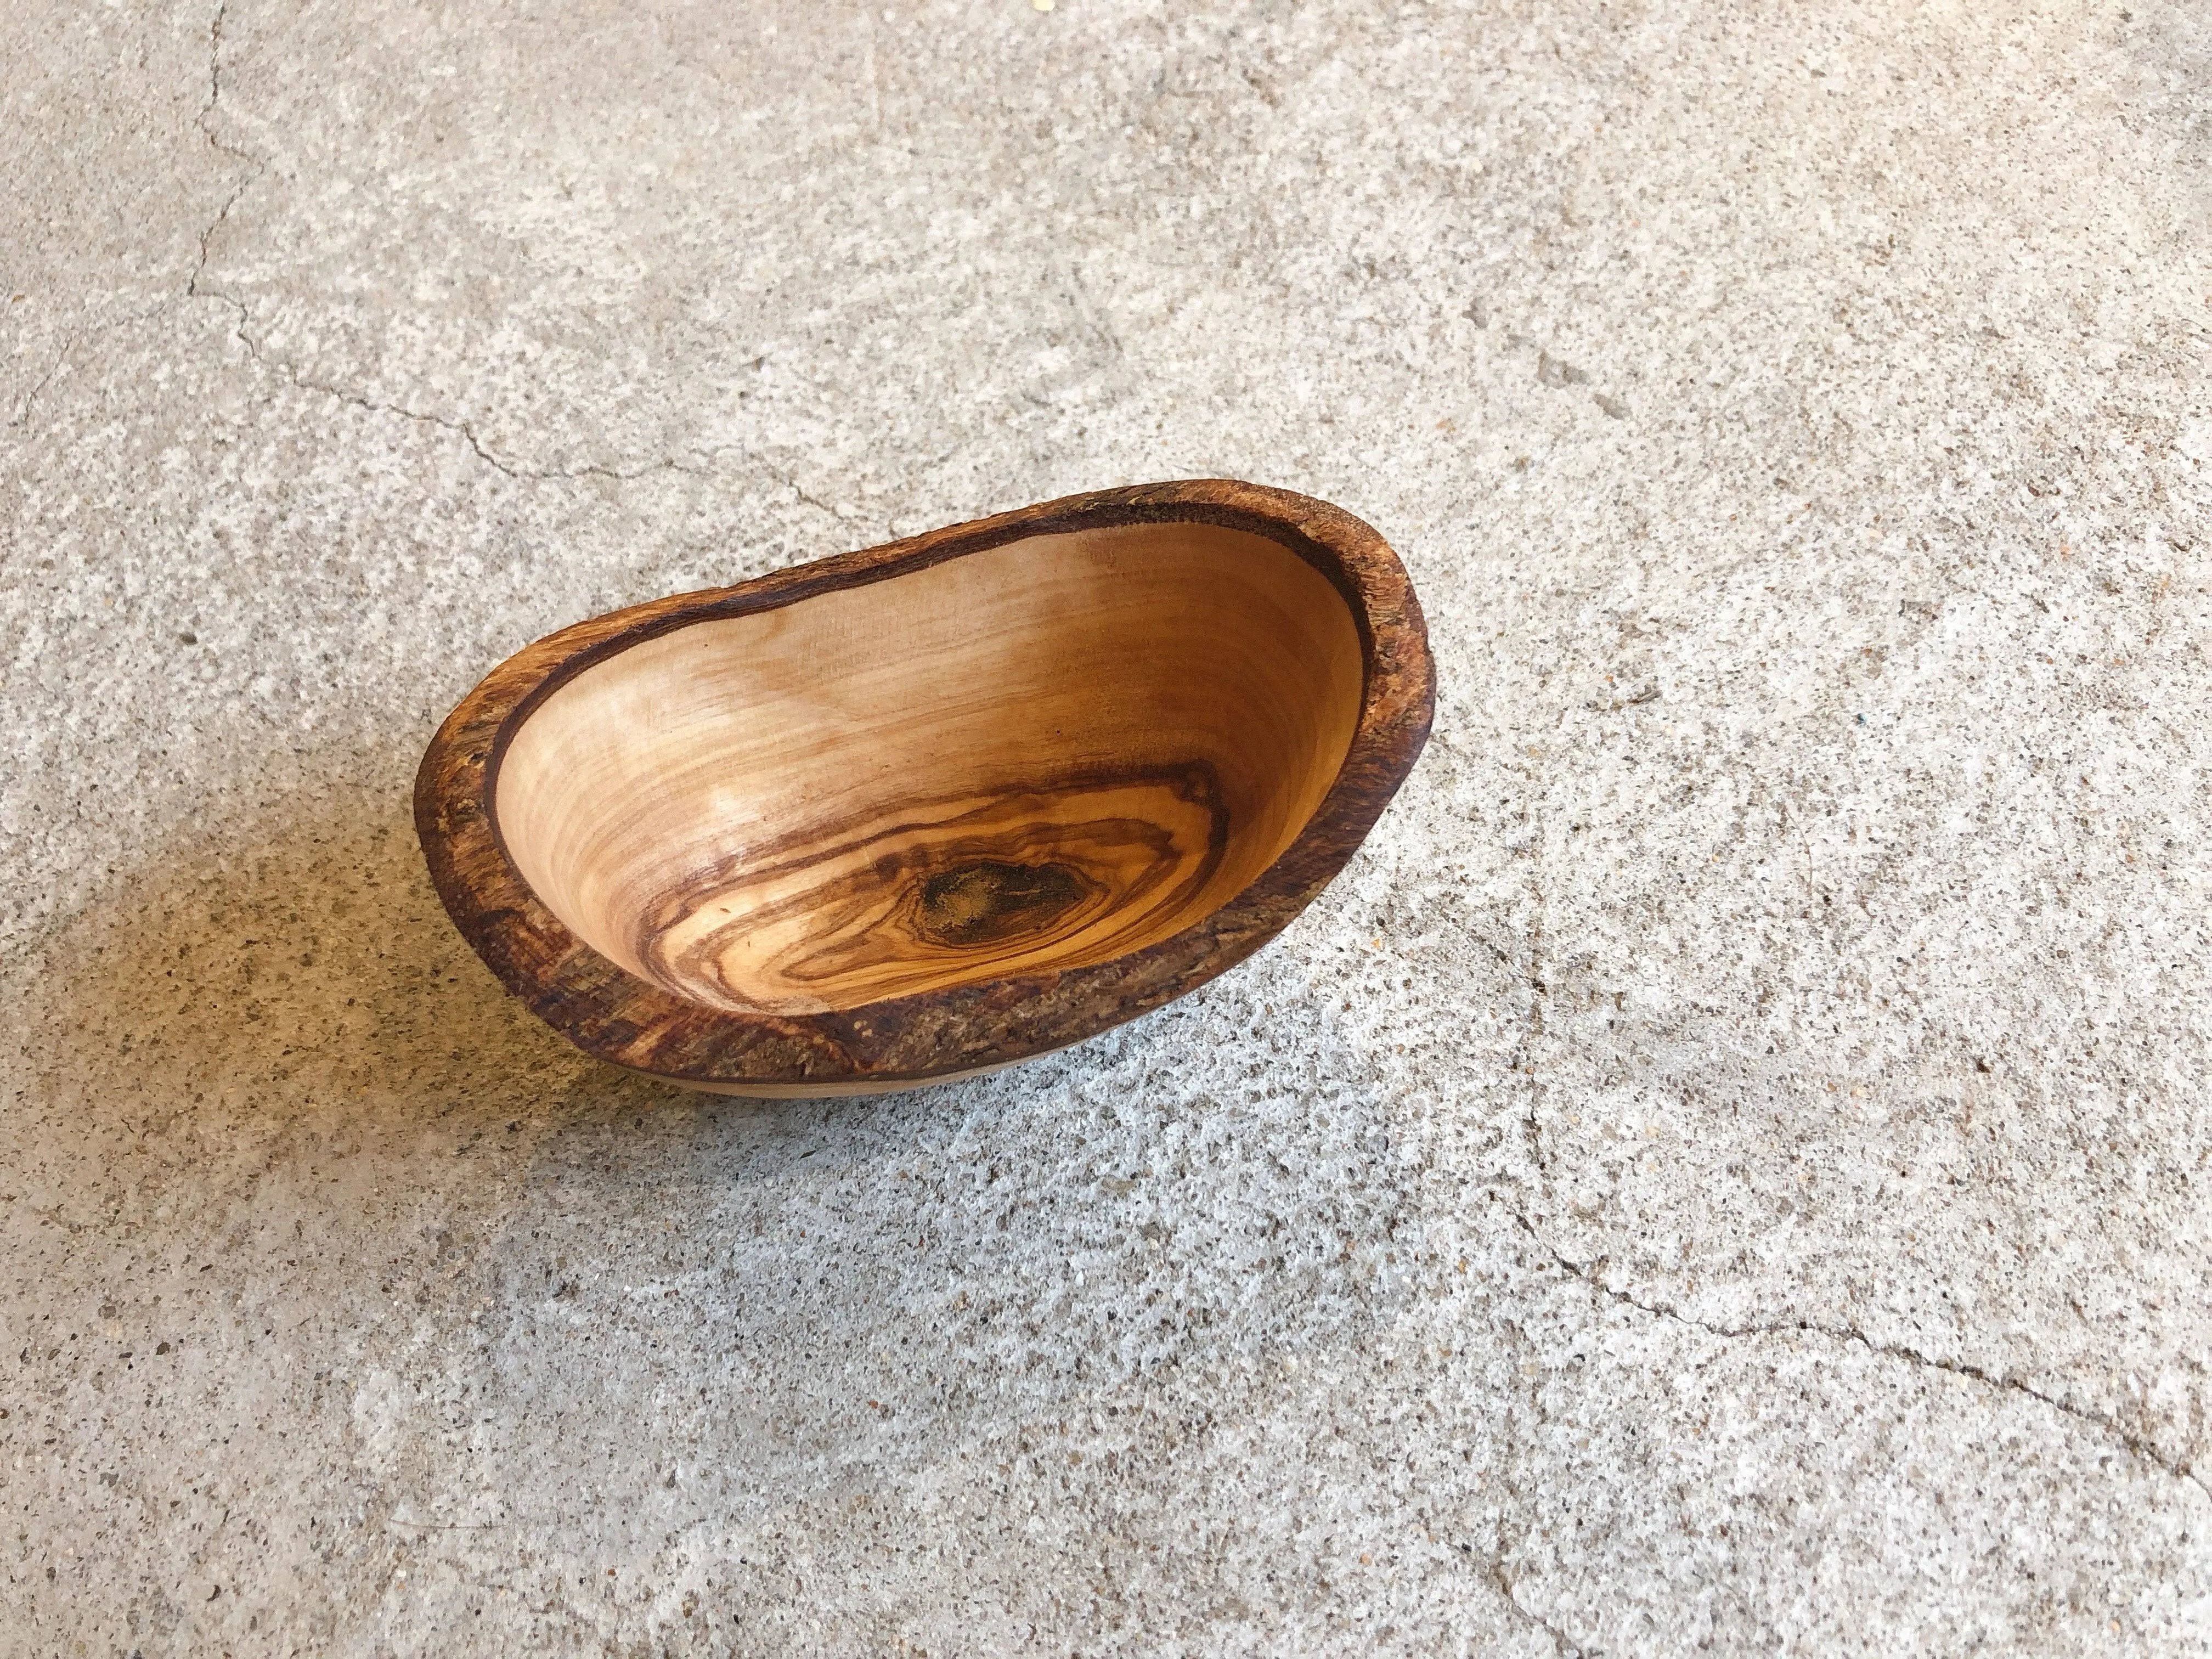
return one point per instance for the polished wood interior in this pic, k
(1036, 756)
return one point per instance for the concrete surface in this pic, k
(1730, 1168)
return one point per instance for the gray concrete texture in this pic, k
(1728, 1168)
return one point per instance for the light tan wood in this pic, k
(1031, 759)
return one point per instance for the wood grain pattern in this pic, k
(937, 807)
(943, 892)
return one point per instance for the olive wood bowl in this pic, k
(923, 811)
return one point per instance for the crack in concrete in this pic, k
(463, 428)
(23, 411)
(197, 288)
(805, 494)
(206, 120)
(2134, 1444)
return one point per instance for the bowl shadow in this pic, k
(294, 967)
(266, 1056)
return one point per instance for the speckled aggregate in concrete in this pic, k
(1728, 1169)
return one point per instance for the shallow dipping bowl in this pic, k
(923, 811)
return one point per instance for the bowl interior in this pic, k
(1041, 756)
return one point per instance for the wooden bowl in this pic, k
(923, 811)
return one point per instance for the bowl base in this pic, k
(839, 1090)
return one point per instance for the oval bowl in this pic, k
(923, 811)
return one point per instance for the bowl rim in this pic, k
(904, 1042)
